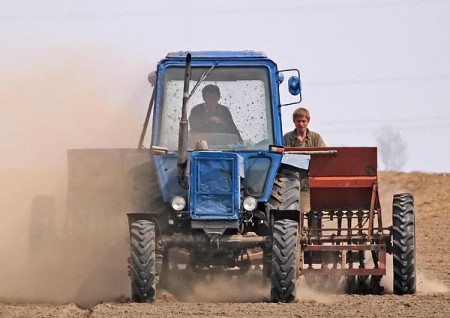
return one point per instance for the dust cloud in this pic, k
(63, 98)
(428, 285)
(308, 293)
(249, 287)
(69, 98)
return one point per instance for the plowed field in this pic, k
(87, 275)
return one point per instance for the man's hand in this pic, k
(215, 120)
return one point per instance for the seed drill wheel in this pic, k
(142, 261)
(404, 244)
(284, 261)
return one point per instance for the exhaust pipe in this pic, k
(183, 132)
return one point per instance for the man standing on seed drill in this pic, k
(301, 136)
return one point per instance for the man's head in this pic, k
(301, 119)
(211, 95)
(301, 112)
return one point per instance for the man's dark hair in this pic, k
(211, 89)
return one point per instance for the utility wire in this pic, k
(386, 80)
(332, 5)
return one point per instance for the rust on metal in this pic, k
(342, 182)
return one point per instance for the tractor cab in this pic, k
(246, 87)
(240, 136)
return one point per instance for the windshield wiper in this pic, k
(202, 78)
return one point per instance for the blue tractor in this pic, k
(224, 201)
(228, 200)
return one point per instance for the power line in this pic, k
(198, 10)
(386, 80)
(370, 127)
(384, 120)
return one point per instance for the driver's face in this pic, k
(301, 123)
(211, 99)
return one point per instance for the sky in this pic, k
(73, 74)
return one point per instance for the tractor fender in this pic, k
(298, 161)
(147, 216)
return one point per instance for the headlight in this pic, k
(249, 203)
(178, 203)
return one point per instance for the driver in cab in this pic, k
(210, 116)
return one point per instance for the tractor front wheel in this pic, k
(142, 261)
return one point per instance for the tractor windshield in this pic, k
(230, 109)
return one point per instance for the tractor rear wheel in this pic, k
(284, 261)
(286, 191)
(142, 261)
(404, 255)
(285, 195)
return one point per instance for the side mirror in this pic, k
(291, 90)
(295, 86)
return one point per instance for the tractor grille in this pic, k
(215, 185)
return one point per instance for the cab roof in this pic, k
(217, 54)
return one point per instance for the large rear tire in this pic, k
(404, 244)
(142, 261)
(285, 195)
(286, 191)
(284, 261)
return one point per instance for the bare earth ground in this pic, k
(90, 279)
